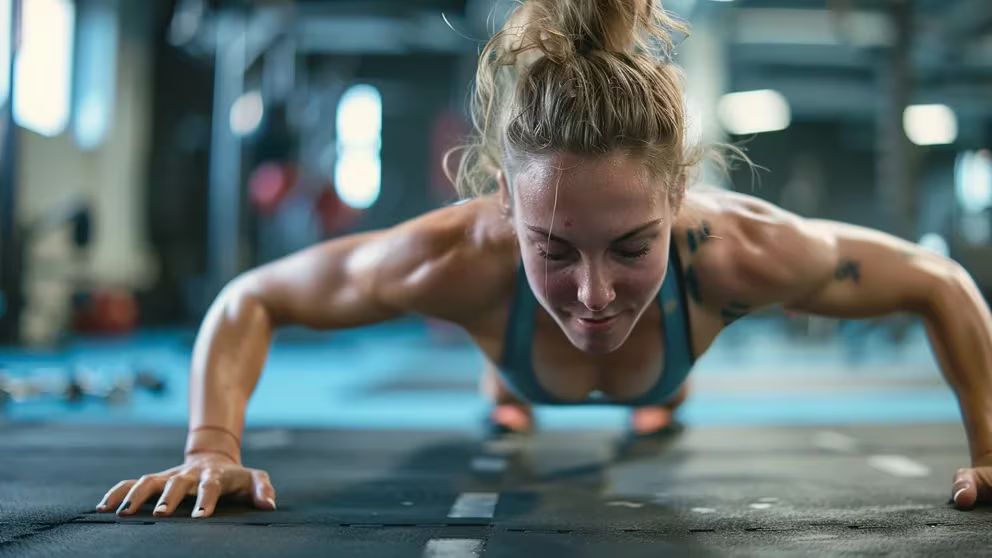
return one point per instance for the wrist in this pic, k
(213, 439)
(211, 452)
(983, 459)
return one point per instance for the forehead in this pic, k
(591, 189)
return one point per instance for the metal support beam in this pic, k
(224, 211)
(895, 188)
(11, 249)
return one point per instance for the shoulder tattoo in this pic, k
(848, 269)
(698, 236)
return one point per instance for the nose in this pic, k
(595, 288)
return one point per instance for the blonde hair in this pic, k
(580, 76)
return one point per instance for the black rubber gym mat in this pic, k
(742, 491)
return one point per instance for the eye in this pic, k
(636, 254)
(554, 257)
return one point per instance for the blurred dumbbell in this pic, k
(150, 381)
(105, 311)
(75, 385)
(73, 391)
(98, 386)
(119, 392)
(4, 394)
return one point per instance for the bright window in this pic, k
(4, 50)
(358, 170)
(43, 66)
(973, 180)
(96, 65)
(246, 113)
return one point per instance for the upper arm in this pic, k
(768, 256)
(873, 273)
(369, 277)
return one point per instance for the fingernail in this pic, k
(958, 493)
(271, 502)
(124, 507)
(161, 506)
(198, 512)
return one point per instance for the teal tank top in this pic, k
(518, 372)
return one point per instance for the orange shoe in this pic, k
(645, 421)
(658, 419)
(508, 418)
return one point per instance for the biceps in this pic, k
(874, 274)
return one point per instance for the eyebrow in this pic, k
(629, 234)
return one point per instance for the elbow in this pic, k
(240, 301)
(952, 290)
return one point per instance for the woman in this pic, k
(582, 267)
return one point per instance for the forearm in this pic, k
(960, 329)
(228, 357)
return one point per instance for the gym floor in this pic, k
(372, 439)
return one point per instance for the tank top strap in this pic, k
(679, 357)
(518, 342)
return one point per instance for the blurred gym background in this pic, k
(153, 150)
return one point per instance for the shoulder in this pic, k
(747, 253)
(450, 263)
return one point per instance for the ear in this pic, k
(505, 199)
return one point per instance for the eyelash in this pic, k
(638, 254)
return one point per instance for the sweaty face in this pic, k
(608, 249)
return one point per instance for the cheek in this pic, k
(642, 282)
(557, 288)
(551, 286)
(636, 286)
(561, 288)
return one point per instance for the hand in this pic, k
(208, 476)
(972, 486)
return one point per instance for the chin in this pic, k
(597, 344)
(596, 347)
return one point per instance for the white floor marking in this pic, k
(760, 506)
(626, 504)
(835, 441)
(488, 464)
(474, 504)
(899, 466)
(452, 548)
(703, 510)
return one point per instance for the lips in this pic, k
(599, 325)
(598, 320)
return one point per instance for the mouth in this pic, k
(597, 323)
(598, 320)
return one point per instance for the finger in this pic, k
(263, 494)
(208, 492)
(147, 485)
(115, 496)
(176, 488)
(964, 492)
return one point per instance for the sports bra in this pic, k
(516, 362)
